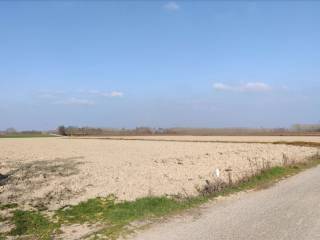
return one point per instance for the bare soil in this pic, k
(49, 173)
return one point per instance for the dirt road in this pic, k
(290, 210)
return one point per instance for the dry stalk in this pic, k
(285, 160)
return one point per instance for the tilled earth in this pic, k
(49, 173)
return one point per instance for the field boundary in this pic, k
(294, 143)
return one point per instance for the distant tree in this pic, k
(296, 127)
(11, 130)
(62, 130)
(143, 131)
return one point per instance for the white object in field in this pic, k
(217, 172)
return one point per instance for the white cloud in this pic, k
(222, 87)
(116, 94)
(106, 94)
(171, 6)
(77, 97)
(245, 87)
(101, 93)
(256, 87)
(75, 101)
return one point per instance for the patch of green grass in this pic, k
(265, 178)
(143, 207)
(32, 223)
(123, 212)
(89, 211)
(118, 215)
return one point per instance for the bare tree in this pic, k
(62, 130)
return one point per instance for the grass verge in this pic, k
(117, 216)
(34, 224)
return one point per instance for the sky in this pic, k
(159, 63)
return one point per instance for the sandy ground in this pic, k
(54, 172)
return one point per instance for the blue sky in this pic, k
(159, 63)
